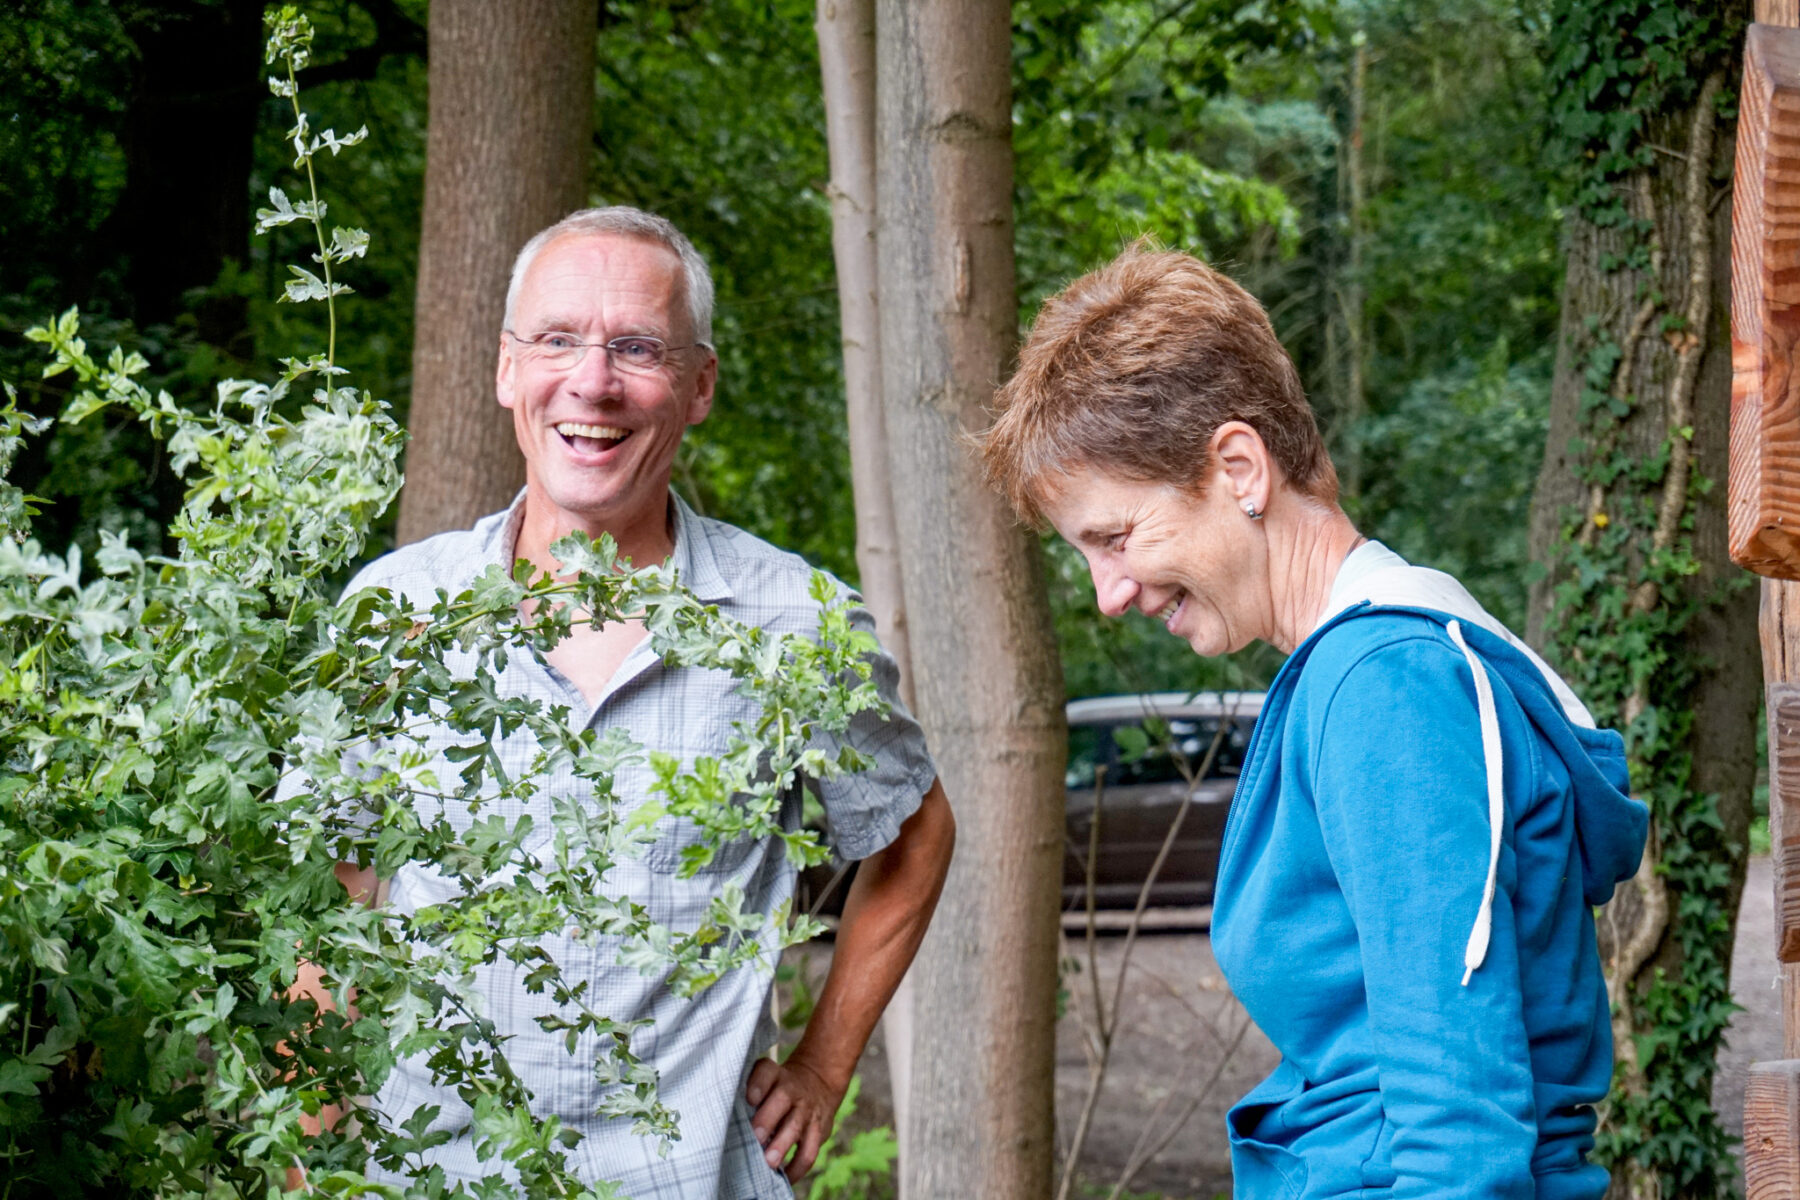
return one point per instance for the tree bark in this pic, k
(511, 114)
(846, 30)
(847, 62)
(985, 670)
(1669, 319)
(1356, 402)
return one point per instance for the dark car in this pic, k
(1153, 748)
(1144, 741)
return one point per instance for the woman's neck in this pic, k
(1307, 545)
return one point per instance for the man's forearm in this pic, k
(885, 917)
(309, 984)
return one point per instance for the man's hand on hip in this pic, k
(794, 1108)
(885, 914)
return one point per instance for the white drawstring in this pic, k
(1490, 752)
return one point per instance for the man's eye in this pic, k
(636, 349)
(558, 341)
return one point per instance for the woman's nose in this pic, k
(1113, 588)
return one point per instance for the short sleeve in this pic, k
(865, 809)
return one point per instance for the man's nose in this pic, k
(1113, 588)
(594, 376)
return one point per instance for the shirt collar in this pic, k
(694, 558)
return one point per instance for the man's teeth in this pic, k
(1166, 613)
(608, 432)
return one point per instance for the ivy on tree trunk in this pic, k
(1641, 606)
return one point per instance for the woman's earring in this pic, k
(1250, 511)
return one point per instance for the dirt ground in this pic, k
(1179, 1061)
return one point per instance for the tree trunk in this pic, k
(846, 30)
(847, 62)
(1652, 340)
(1355, 200)
(511, 115)
(985, 670)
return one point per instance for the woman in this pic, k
(1427, 814)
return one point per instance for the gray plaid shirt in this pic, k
(702, 1047)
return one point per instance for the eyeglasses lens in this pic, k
(636, 355)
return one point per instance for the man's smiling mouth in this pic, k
(591, 439)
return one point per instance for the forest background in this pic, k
(1415, 282)
(1410, 188)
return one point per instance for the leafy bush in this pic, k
(159, 887)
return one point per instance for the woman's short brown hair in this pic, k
(1131, 369)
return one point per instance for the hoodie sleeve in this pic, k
(1401, 787)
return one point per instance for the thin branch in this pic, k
(1139, 1158)
(1106, 1018)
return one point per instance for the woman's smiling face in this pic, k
(1191, 561)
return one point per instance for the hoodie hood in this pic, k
(1610, 826)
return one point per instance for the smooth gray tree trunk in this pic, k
(846, 30)
(985, 670)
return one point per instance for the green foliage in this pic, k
(192, 742)
(1109, 106)
(862, 1169)
(1616, 652)
(1469, 439)
(1615, 67)
(1461, 250)
(743, 173)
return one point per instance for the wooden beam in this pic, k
(1772, 1097)
(1784, 815)
(1763, 494)
(1772, 1131)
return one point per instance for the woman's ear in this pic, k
(1243, 466)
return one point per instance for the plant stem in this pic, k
(312, 185)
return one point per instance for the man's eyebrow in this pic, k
(627, 329)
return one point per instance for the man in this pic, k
(605, 360)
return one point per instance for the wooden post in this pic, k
(1772, 1131)
(1763, 499)
(1764, 506)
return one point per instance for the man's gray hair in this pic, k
(625, 221)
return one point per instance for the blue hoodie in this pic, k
(1404, 905)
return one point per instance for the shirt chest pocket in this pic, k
(680, 843)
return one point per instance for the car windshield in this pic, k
(1153, 751)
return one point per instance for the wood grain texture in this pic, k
(1772, 1131)
(1764, 487)
(1771, 1107)
(1778, 12)
(1784, 815)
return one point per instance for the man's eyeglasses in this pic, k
(636, 353)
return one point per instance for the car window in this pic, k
(1089, 745)
(1188, 737)
(1183, 742)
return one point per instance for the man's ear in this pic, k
(705, 381)
(1242, 461)
(503, 374)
